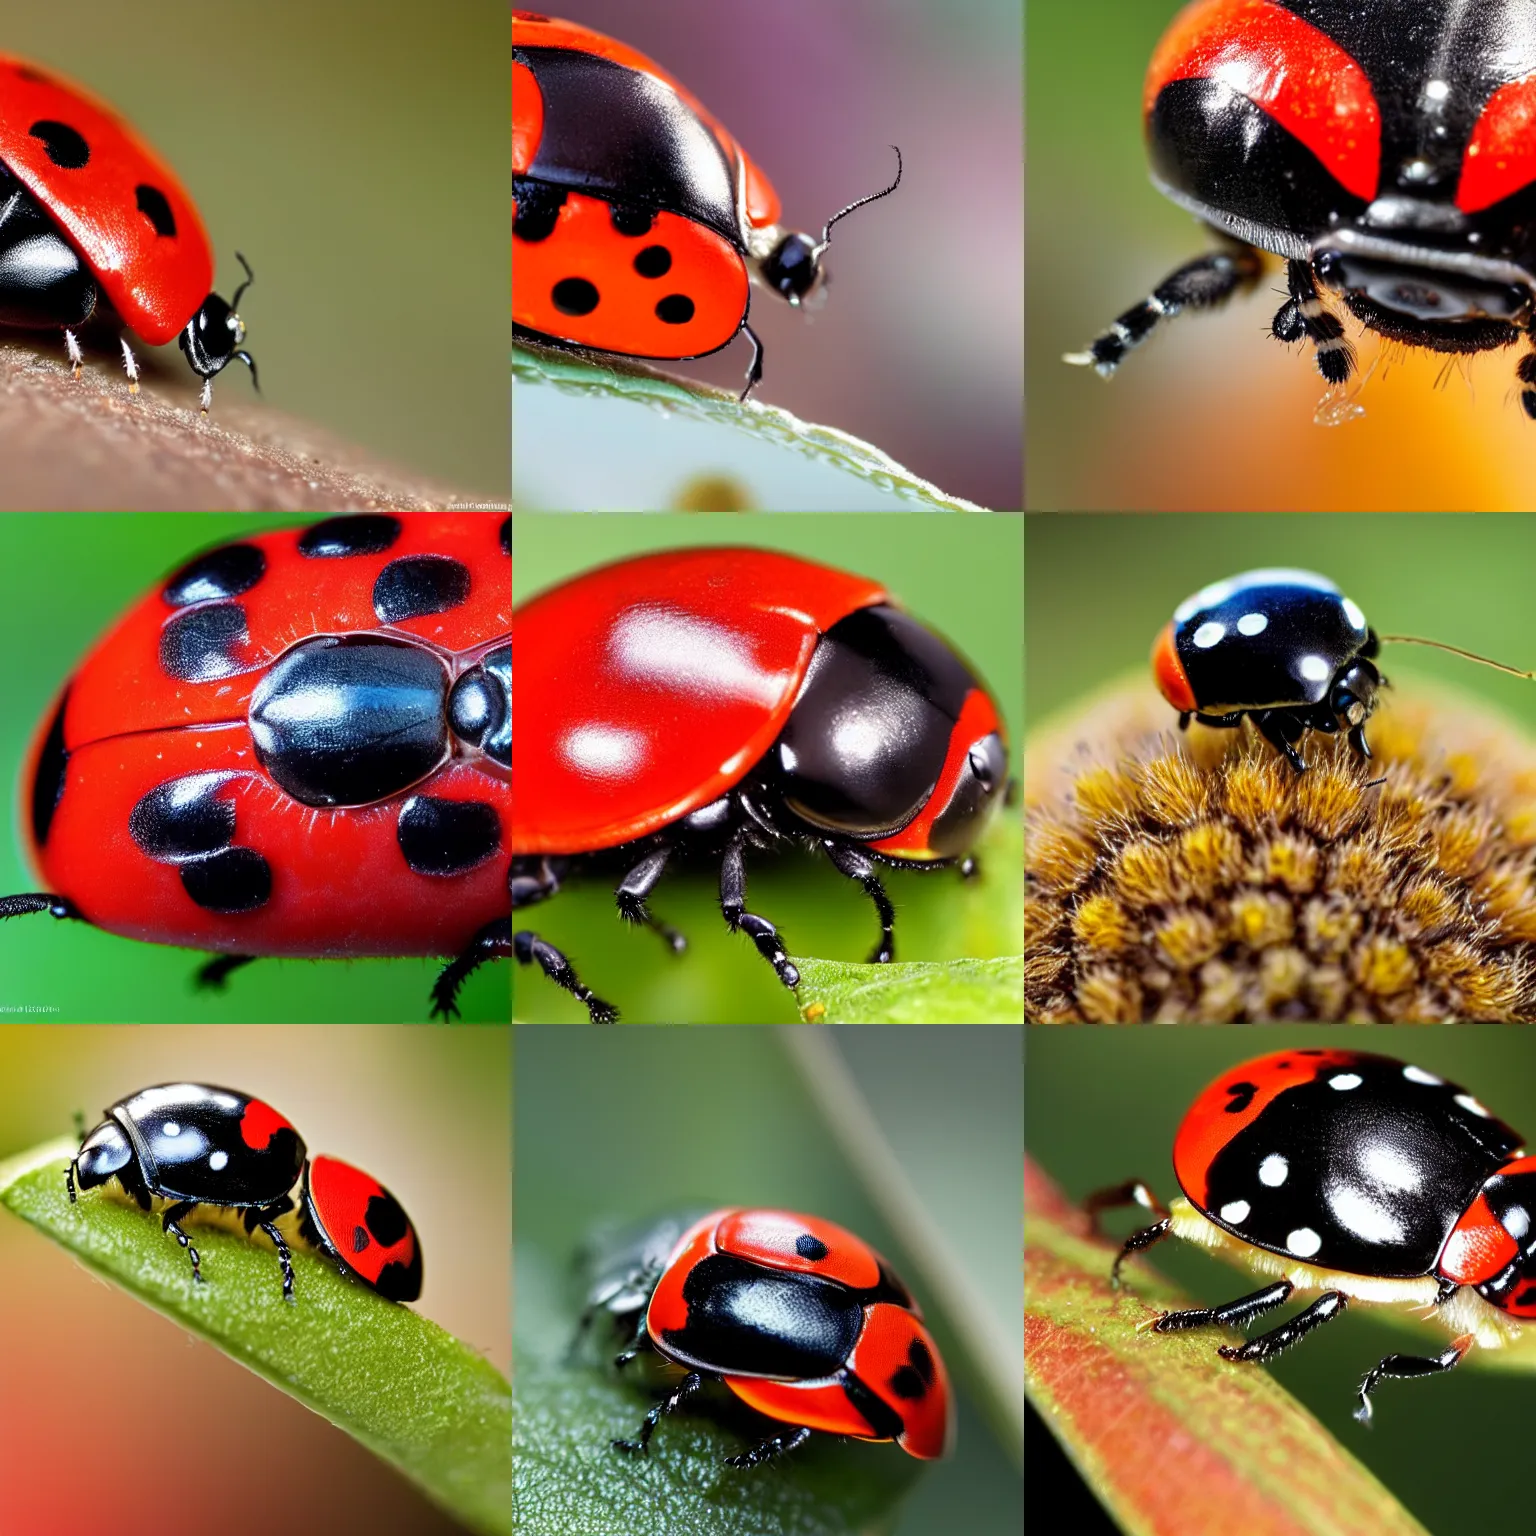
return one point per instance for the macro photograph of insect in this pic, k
(794, 1307)
(292, 1237)
(1272, 243)
(722, 259)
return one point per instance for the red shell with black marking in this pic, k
(806, 1323)
(291, 746)
(114, 198)
(360, 1225)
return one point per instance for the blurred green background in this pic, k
(1211, 413)
(64, 578)
(426, 1111)
(631, 1124)
(917, 348)
(357, 153)
(1102, 1106)
(958, 575)
(1099, 588)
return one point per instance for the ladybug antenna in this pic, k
(874, 197)
(1456, 650)
(250, 277)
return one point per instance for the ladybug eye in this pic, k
(480, 709)
(793, 268)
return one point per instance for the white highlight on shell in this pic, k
(1252, 624)
(170, 1128)
(1436, 90)
(1353, 614)
(1344, 1081)
(1303, 1242)
(1467, 1102)
(1419, 1075)
(1516, 1221)
(1362, 1214)
(603, 751)
(1235, 1212)
(1388, 1168)
(1273, 1170)
(218, 1160)
(1208, 634)
(1314, 669)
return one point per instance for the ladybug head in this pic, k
(213, 335)
(793, 267)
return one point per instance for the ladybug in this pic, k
(185, 1148)
(93, 221)
(1382, 150)
(702, 702)
(1285, 647)
(1360, 1177)
(638, 221)
(298, 744)
(800, 1320)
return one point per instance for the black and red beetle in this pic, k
(191, 1149)
(1362, 1178)
(799, 1318)
(698, 703)
(1383, 150)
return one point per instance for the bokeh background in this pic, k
(629, 1124)
(1099, 588)
(917, 347)
(1211, 413)
(1102, 1106)
(960, 576)
(356, 152)
(64, 578)
(98, 1391)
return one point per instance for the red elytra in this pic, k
(361, 1226)
(167, 794)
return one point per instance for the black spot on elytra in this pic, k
(1240, 1096)
(233, 880)
(31, 73)
(221, 573)
(630, 221)
(912, 1380)
(338, 537)
(48, 778)
(64, 145)
(446, 837)
(204, 643)
(675, 309)
(808, 1246)
(538, 209)
(574, 296)
(155, 207)
(654, 261)
(183, 818)
(386, 1219)
(360, 1239)
(416, 585)
(506, 535)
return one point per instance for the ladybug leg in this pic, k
(1205, 283)
(636, 886)
(1132, 1192)
(765, 1450)
(686, 1388)
(492, 942)
(1402, 1367)
(733, 907)
(283, 1257)
(1282, 730)
(1306, 317)
(755, 372)
(216, 972)
(529, 947)
(1236, 1312)
(856, 866)
(1327, 1307)
(1525, 371)
(29, 902)
(76, 356)
(169, 1223)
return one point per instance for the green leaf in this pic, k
(413, 1394)
(949, 992)
(685, 447)
(1162, 1428)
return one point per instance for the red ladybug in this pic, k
(91, 217)
(1360, 1177)
(638, 221)
(707, 701)
(299, 744)
(799, 1318)
(200, 1151)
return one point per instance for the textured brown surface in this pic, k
(90, 445)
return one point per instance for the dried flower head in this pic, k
(1197, 878)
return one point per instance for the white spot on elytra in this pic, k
(1234, 1212)
(1468, 1102)
(1436, 90)
(1208, 634)
(1272, 1170)
(1354, 615)
(1344, 1081)
(1252, 624)
(217, 1160)
(170, 1128)
(1314, 669)
(1303, 1242)
(1419, 1075)
(1516, 1221)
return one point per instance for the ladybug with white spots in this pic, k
(1383, 151)
(299, 744)
(190, 1150)
(94, 223)
(798, 1318)
(1358, 1177)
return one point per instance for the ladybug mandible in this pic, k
(92, 220)
(703, 702)
(638, 221)
(193, 1151)
(299, 744)
(1359, 1177)
(1383, 150)
(800, 1320)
